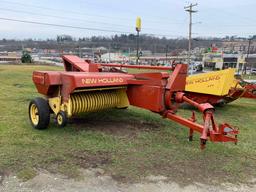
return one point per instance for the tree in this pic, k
(26, 57)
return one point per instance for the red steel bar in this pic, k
(135, 66)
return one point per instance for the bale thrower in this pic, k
(86, 87)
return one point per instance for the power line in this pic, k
(78, 27)
(63, 26)
(228, 13)
(110, 24)
(80, 13)
(229, 26)
(49, 8)
(58, 17)
(67, 18)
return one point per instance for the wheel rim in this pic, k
(34, 116)
(59, 119)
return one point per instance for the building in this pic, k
(114, 57)
(219, 61)
(238, 46)
(10, 57)
(250, 61)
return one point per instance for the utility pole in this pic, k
(190, 10)
(129, 55)
(109, 53)
(79, 51)
(137, 48)
(166, 53)
(247, 55)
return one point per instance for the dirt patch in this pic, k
(129, 128)
(85, 159)
(207, 169)
(45, 181)
(120, 178)
(3, 174)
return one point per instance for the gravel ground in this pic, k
(94, 180)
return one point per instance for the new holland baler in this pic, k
(218, 87)
(86, 87)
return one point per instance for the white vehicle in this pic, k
(253, 71)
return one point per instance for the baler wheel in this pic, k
(39, 113)
(61, 119)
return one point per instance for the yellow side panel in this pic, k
(123, 99)
(214, 83)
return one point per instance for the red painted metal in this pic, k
(74, 63)
(136, 66)
(205, 98)
(250, 91)
(159, 92)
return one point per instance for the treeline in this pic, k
(121, 42)
(154, 44)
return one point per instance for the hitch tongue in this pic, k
(227, 129)
(209, 130)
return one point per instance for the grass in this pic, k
(251, 77)
(127, 144)
(26, 174)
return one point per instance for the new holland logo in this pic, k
(204, 79)
(102, 80)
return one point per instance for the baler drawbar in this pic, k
(87, 87)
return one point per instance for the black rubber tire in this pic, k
(43, 113)
(64, 119)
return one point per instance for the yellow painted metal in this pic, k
(214, 83)
(55, 104)
(98, 89)
(96, 101)
(123, 100)
(34, 116)
(90, 100)
(59, 119)
(236, 84)
(138, 24)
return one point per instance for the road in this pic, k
(94, 180)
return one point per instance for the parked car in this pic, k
(253, 71)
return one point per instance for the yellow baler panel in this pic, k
(89, 101)
(214, 83)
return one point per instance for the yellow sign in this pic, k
(217, 60)
(213, 83)
(138, 24)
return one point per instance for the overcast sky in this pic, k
(160, 17)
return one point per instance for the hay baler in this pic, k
(86, 87)
(218, 87)
(249, 88)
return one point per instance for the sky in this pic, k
(215, 18)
